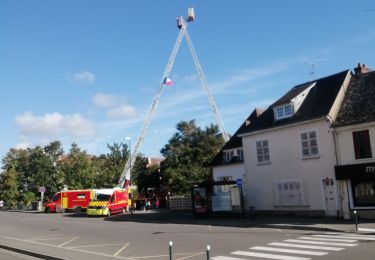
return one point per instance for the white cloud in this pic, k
(122, 112)
(24, 145)
(52, 125)
(84, 77)
(105, 100)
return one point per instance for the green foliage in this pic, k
(188, 154)
(27, 197)
(79, 171)
(9, 187)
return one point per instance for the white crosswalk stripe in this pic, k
(328, 248)
(269, 256)
(301, 248)
(293, 251)
(359, 237)
(329, 239)
(319, 242)
(226, 258)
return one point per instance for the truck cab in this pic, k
(107, 202)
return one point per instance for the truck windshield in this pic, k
(102, 197)
(55, 198)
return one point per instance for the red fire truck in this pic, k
(70, 200)
(109, 201)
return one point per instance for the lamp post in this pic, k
(128, 138)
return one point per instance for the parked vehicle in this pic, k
(109, 201)
(70, 200)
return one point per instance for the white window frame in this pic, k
(262, 153)
(283, 111)
(240, 154)
(287, 196)
(309, 146)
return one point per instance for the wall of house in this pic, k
(346, 156)
(345, 142)
(287, 163)
(235, 170)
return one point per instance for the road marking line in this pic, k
(359, 237)
(293, 251)
(201, 253)
(74, 247)
(348, 234)
(366, 229)
(329, 239)
(319, 242)
(41, 237)
(152, 256)
(307, 246)
(122, 248)
(52, 238)
(270, 256)
(78, 250)
(68, 241)
(101, 254)
(226, 258)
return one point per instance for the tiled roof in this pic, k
(358, 105)
(317, 103)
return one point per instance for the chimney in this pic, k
(361, 69)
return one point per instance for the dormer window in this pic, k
(283, 111)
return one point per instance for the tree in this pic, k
(78, 170)
(10, 187)
(188, 154)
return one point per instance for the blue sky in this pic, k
(87, 71)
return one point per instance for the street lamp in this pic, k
(128, 138)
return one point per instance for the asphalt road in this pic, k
(147, 236)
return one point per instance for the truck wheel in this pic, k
(77, 210)
(47, 210)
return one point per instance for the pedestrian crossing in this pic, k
(301, 248)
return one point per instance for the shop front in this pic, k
(358, 186)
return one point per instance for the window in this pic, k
(226, 187)
(240, 154)
(263, 151)
(309, 142)
(363, 193)
(226, 157)
(289, 193)
(362, 146)
(283, 111)
(81, 196)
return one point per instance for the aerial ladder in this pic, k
(124, 180)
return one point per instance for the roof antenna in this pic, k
(312, 69)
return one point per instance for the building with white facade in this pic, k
(289, 151)
(354, 130)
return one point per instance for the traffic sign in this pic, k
(42, 189)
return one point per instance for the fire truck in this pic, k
(70, 200)
(110, 201)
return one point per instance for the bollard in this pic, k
(170, 250)
(208, 252)
(356, 220)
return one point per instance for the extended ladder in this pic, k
(125, 175)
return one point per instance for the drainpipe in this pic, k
(337, 156)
